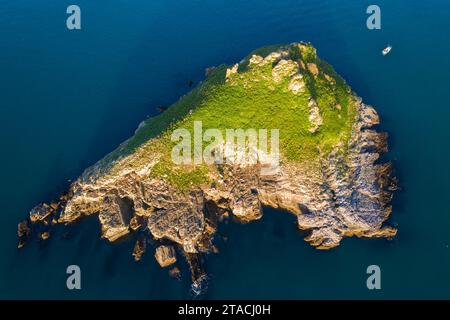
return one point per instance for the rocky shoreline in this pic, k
(342, 195)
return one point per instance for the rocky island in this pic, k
(328, 171)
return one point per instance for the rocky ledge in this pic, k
(337, 195)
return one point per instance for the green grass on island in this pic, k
(251, 98)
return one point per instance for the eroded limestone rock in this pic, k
(165, 255)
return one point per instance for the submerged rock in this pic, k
(23, 229)
(44, 235)
(139, 248)
(23, 232)
(175, 273)
(329, 175)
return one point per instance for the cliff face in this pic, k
(335, 185)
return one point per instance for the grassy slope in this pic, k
(250, 100)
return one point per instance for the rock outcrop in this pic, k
(139, 248)
(165, 255)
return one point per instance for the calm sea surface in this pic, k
(69, 97)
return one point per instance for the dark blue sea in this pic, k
(67, 98)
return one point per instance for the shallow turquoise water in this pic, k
(68, 98)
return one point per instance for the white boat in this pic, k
(386, 50)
